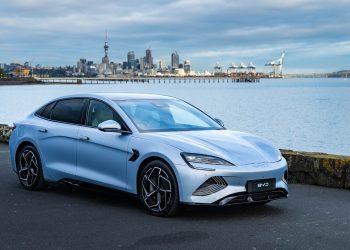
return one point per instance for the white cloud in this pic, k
(305, 49)
(288, 30)
(245, 51)
(204, 30)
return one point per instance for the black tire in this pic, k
(29, 169)
(158, 189)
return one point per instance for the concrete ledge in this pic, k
(5, 132)
(304, 167)
(318, 168)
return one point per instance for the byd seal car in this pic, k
(160, 148)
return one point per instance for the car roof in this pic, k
(119, 96)
(132, 96)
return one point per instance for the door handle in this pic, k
(84, 138)
(42, 130)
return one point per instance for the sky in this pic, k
(315, 34)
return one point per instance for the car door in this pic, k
(58, 137)
(102, 156)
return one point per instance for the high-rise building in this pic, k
(175, 60)
(131, 63)
(83, 60)
(131, 56)
(162, 64)
(81, 66)
(142, 63)
(148, 61)
(187, 66)
(125, 65)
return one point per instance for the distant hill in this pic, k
(338, 74)
(342, 73)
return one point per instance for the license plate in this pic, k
(261, 185)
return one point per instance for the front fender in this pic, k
(147, 149)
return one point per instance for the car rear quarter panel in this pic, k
(25, 132)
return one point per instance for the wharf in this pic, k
(149, 80)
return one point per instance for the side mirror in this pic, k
(110, 126)
(220, 122)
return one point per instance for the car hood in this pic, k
(236, 147)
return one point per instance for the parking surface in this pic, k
(66, 217)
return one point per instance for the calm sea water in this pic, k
(299, 114)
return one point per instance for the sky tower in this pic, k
(105, 59)
(106, 45)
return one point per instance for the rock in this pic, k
(347, 178)
(318, 168)
(5, 132)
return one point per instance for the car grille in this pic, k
(245, 197)
(210, 186)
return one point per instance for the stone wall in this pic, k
(304, 167)
(5, 132)
(318, 168)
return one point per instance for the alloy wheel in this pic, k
(28, 168)
(156, 189)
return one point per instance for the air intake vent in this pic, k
(210, 186)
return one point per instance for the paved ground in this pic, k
(65, 217)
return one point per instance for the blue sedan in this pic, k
(160, 148)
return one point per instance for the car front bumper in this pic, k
(228, 184)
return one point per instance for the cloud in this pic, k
(315, 49)
(294, 31)
(203, 31)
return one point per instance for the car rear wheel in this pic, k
(29, 169)
(158, 189)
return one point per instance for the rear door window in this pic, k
(46, 112)
(69, 110)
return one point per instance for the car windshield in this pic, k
(166, 115)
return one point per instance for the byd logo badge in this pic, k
(261, 185)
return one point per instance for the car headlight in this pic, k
(204, 159)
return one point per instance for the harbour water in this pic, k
(299, 114)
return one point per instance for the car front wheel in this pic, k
(158, 189)
(29, 169)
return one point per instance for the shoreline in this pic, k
(245, 78)
(138, 80)
(19, 81)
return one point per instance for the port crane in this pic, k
(277, 66)
(232, 68)
(218, 68)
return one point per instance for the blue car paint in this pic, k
(104, 159)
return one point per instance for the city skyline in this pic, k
(313, 33)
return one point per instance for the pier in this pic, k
(148, 80)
